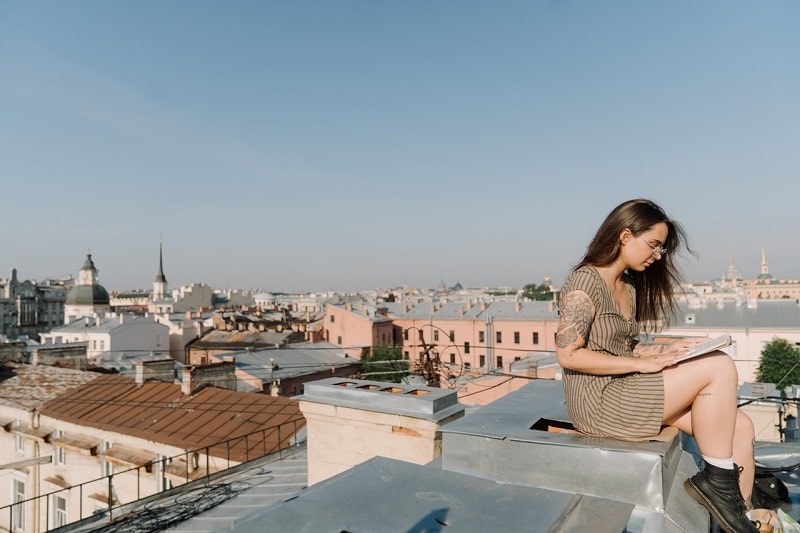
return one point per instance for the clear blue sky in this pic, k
(348, 145)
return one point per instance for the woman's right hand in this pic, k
(650, 364)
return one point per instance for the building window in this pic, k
(405, 334)
(339, 340)
(59, 453)
(452, 336)
(535, 337)
(106, 468)
(500, 363)
(94, 344)
(482, 361)
(19, 440)
(333, 319)
(480, 336)
(466, 347)
(435, 335)
(499, 336)
(466, 366)
(18, 510)
(452, 358)
(164, 483)
(516, 337)
(59, 506)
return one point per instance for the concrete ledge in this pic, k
(428, 403)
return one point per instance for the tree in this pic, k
(540, 292)
(385, 363)
(780, 364)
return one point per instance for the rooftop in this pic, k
(32, 386)
(160, 412)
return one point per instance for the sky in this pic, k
(352, 145)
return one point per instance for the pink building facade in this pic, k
(357, 328)
(460, 336)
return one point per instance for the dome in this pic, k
(87, 295)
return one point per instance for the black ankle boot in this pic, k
(717, 489)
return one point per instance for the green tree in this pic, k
(540, 292)
(780, 364)
(385, 363)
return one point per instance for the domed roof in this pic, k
(87, 295)
(87, 291)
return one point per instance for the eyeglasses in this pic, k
(660, 251)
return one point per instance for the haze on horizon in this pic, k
(310, 146)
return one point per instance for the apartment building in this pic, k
(76, 443)
(28, 308)
(113, 335)
(359, 326)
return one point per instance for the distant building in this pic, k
(28, 308)
(113, 336)
(87, 298)
(284, 371)
(766, 287)
(358, 327)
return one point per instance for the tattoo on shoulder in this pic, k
(577, 314)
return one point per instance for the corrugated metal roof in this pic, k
(294, 360)
(767, 314)
(30, 386)
(159, 412)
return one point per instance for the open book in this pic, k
(702, 348)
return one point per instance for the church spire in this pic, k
(160, 283)
(764, 267)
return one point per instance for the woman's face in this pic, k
(641, 251)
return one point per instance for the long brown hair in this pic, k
(655, 301)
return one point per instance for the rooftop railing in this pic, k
(191, 465)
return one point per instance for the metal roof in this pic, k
(766, 314)
(389, 495)
(159, 412)
(293, 360)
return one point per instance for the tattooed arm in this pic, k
(575, 320)
(677, 346)
(643, 349)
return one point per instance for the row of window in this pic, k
(481, 337)
(19, 519)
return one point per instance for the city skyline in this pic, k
(345, 146)
(147, 286)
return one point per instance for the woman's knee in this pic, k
(722, 367)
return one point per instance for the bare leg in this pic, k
(700, 400)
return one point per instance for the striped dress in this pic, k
(627, 406)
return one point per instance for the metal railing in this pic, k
(266, 441)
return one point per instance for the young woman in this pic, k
(617, 386)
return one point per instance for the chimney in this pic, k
(222, 375)
(161, 370)
(350, 421)
(517, 307)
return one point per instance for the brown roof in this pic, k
(161, 413)
(29, 386)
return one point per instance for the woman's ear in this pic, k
(625, 235)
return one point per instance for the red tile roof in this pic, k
(161, 413)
